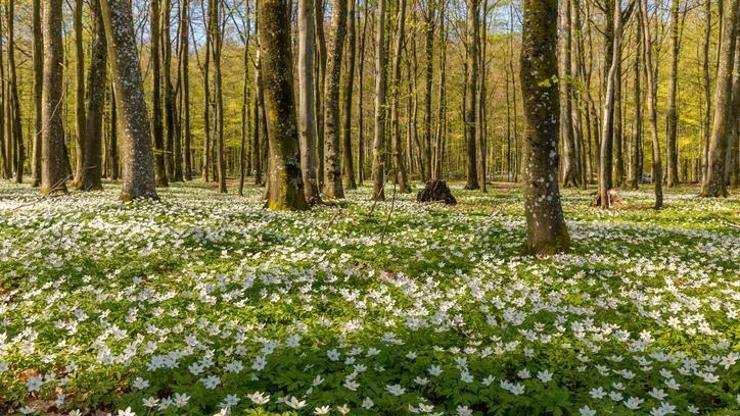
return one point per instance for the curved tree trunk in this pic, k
(136, 152)
(546, 229)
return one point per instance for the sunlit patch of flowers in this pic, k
(209, 304)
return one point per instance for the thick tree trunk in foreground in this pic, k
(546, 229)
(285, 186)
(378, 172)
(136, 151)
(91, 160)
(714, 185)
(53, 157)
(332, 130)
(306, 99)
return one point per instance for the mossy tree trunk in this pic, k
(285, 184)
(137, 159)
(546, 229)
(471, 89)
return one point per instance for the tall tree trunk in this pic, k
(285, 187)
(160, 167)
(378, 173)
(607, 127)
(136, 151)
(636, 171)
(5, 150)
(79, 94)
(332, 170)
(398, 157)
(307, 100)
(206, 107)
(707, 87)
(671, 118)
(348, 82)
(113, 148)
(471, 86)
(481, 116)
(570, 174)
(320, 87)
(652, 86)
(214, 30)
(174, 155)
(714, 185)
(38, 62)
(91, 173)
(184, 57)
(245, 120)
(442, 104)
(731, 160)
(360, 106)
(53, 166)
(14, 118)
(429, 21)
(546, 229)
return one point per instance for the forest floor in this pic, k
(202, 302)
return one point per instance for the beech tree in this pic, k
(136, 152)
(53, 158)
(285, 184)
(546, 229)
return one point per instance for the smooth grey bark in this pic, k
(397, 152)
(91, 161)
(53, 157)
(348, 78)
(137, 159)
(652, 87)
(671, 140)
(714, 184)
(378, 171)
(307, 100)
(285, 185)
(332, 130)
(79, 94)
(546, 229)
(471, 87)
(38, 62)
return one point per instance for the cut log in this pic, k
(436, 191)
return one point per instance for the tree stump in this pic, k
(436, 191)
